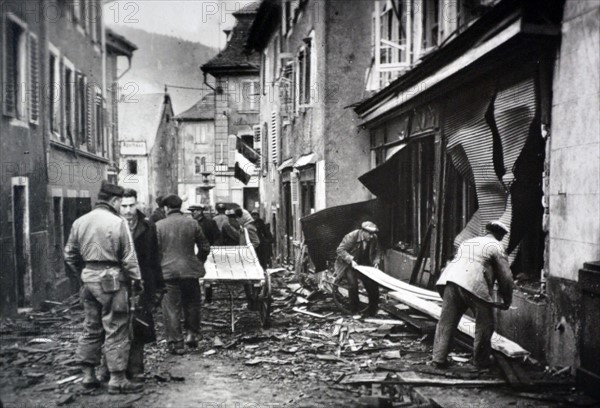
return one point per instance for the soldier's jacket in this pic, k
(478, 264)
(100, 242)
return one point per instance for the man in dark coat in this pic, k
(360, 247)
(158, 213)
(263, 252)
(146, 248)
(181, 269)
(208, 225)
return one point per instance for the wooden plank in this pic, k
(397, 285)
(411, 377)
(466, 324)
(509, 373)
(423, 326)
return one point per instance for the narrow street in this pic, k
(302, 361)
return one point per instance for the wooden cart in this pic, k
(234, 266)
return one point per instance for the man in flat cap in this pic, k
(468, 283)
(100, 250)
(208, 225)
(158, 213)
(360, 247)
(181, 269)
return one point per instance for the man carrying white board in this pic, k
(467, 283)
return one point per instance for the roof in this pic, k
(204, 109)
(118, 44)
(233, 59)
(139, 121)
(264, 25)
(251, 8)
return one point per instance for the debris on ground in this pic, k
(311, 349)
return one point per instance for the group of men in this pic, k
(129, 265)
(467, 282)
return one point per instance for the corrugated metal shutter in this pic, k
(274, 137)
(34, 80)
(485, 134)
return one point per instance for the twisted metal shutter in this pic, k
(485, 133)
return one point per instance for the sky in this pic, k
(195, 20)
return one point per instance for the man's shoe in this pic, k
(440, 365)
(89, 377)
(176, 349)
(119, 384)
(191, 341)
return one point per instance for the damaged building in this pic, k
(480, 126)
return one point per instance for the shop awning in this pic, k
(286, 164)
(383, 180)
(306, 160)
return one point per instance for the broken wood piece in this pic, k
(397, 285)
(412, 377)
(385, 321)
(390, 355)
(466, 325)
(67, 380)
(366, 378)
(306, 312)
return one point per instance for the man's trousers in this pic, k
(370, 285)
(106, 319)
(183, 295)
(455, 303)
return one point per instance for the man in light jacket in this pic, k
(181, 270)
(360, 247)
(100, 250)
(467, 283)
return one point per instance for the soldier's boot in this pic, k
(119, 384)
(89, 377)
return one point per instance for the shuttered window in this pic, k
(15, 68)
(274, 139)
(34, 80)
(68, 92)
(99, 122)
(89, 115)
(81, 111)
(294, 188)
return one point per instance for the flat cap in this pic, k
(369, 227)
(172, 201)
(220, 206)
(112, 189)
(196, 207)
(230, 213)
(254, 212)
(497, 226)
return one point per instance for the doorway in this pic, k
(22, 249)
(251, 198)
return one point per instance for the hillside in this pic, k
(162, 59)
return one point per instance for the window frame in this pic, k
(55, 86)
(69, 99)
(20, 114)
(250, 100)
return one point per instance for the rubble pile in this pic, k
(310, 348)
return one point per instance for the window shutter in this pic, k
(274, 137)
(294, 187)
(34, 80)
(89, 112)
(10, 70)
